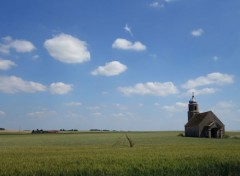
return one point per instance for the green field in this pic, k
(108, 153)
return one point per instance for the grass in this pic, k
(108, 153)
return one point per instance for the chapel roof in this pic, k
(197, 119)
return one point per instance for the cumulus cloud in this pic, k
(156, 4)
(35, 57)
(160, 3)
(150, 88)
(157, 104)
(124, 44)
(110, 69)
(41, 114)
(6, 64)
(67, 49)
(179, 106)
(197, 32)
(225, 106)
(73, 115)
(93, 108)
(211, 79)
(21, 46)
(215, 58)
(13, 84)
(60, 88)
(203, 91)
(73, 104)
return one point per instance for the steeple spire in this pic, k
(192, 107)
(192, 100)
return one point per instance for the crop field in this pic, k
(118, 153)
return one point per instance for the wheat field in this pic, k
(110, 153)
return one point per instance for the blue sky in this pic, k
(118, 65)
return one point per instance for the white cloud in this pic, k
(67, 49)
(21, 46)
(128, 29)
(4, 49)
(73, 104)
(73, 115)
(151, 88)
(124, 44)
(110, 69)
(179, 106)
(154, 4)
(35, 57)
(2, 113)
(157, 104)
(13, 84)
(93, 108)
(160, 3)
(225, 105)
(41, 114)
(197, 32)
(200, 91)
(157, 4)
(38, 114)
(215, 58)
(60, 88)
(6, 64)
(211, 79)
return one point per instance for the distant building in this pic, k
(205, 124)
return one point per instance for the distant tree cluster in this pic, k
(2, 129)
(38, 131)
(43, 131)
(68, 130)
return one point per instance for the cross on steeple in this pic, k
(192, 107)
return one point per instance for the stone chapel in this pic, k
(204, 124)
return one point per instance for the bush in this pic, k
(181, 135)
(226, 136)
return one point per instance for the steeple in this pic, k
(192, 107)
(192, 100)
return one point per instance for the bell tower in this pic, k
(192, 107)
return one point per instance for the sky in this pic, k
(117, 65)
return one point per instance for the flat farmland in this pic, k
(109, 153)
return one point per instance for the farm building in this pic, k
(205, 124)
